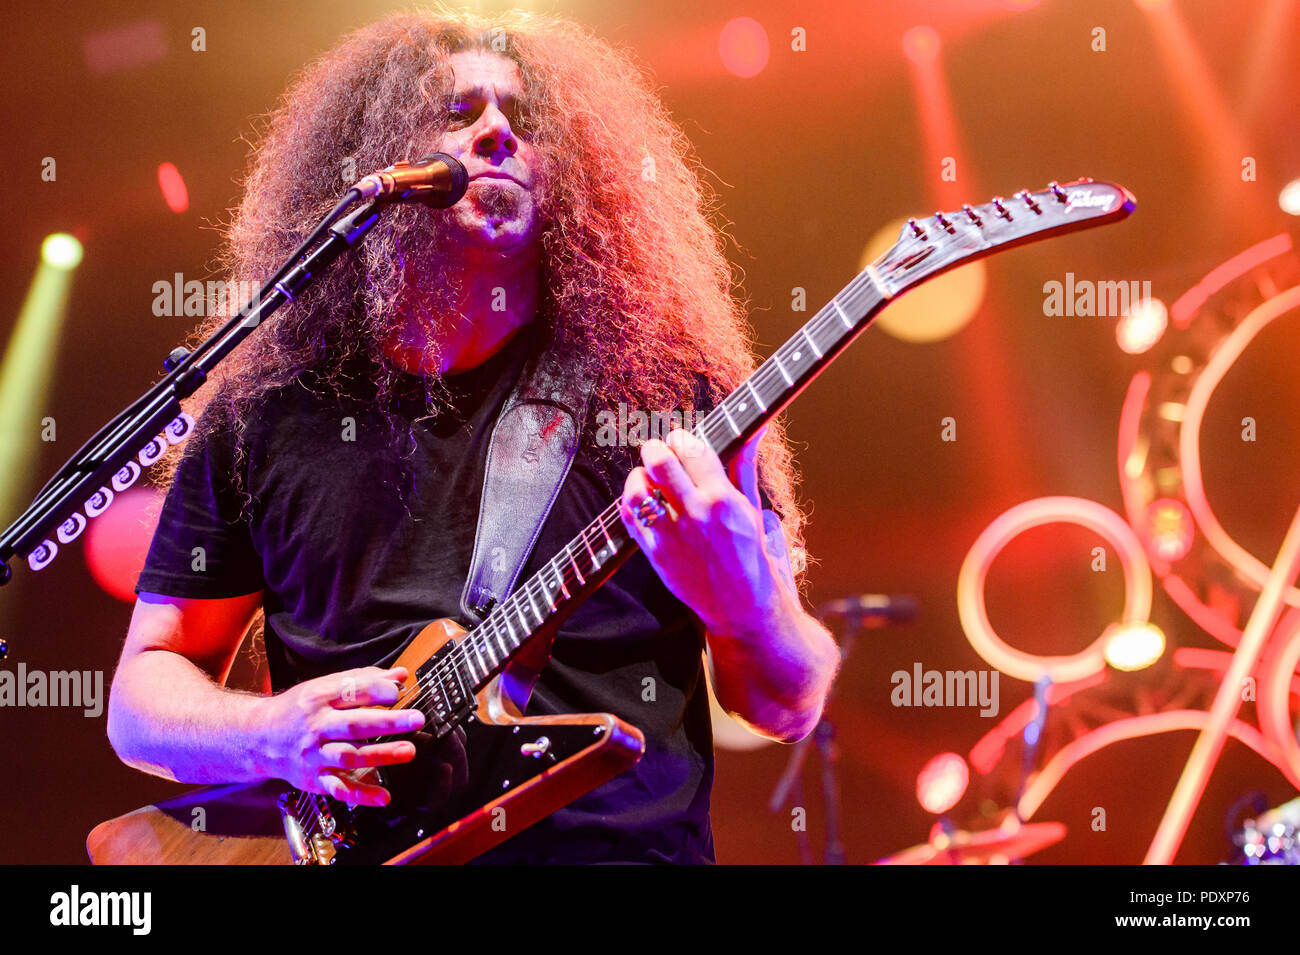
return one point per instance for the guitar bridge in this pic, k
(311, 827)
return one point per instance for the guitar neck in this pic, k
(545, 599)
(923, 250)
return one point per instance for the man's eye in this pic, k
(458, 114)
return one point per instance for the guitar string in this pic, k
(850, 295)
(534, 586)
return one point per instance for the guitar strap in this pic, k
(532, 447)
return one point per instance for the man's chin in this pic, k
(499, 236)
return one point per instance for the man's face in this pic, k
(500, 213)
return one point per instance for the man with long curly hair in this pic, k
(584, 235)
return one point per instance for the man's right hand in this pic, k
(312, 735)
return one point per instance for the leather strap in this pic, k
(532, 448)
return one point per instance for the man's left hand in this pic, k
(708, 548)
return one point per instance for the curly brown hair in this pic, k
(638, 291)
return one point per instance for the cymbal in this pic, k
(987, 847)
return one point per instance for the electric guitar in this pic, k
(473, 685)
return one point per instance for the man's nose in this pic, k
(495, 138)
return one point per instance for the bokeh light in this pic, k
(921, 44)
(61, 251)
(117, 541)
(942, 782)
(935, 310)
(1142, 326)
(172, 184)
(743, 47)
(1289, 198)
(1135, 646)
(1170, 529)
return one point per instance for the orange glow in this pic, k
(173, 188)
(942, 782)
(1216, 126)
(1170, 529)
(743, 47)
(1022, 517)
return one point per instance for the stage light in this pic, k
(743, 47)
(173, 188)
(942, 782)
(1135, 646)
(1289, 198)
(1142, 325)
(1170, 529)
(28, 367)
(61, 251)
(921, 44)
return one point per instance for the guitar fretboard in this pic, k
(593, 555)
(924, 249)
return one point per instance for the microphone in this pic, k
(437, 180)
(872, 610)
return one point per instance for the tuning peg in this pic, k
(916, 228)
(971, 214)
(1057, 191)
(1029, 200)
(1002, 210)
(940, 218)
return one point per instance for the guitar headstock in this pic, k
(928, 246)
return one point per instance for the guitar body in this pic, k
(519, 770)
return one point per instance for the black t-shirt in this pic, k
(359, 535)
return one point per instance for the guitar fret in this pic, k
(781, 368)
(609, 540)
(469, 662)
(486, 644)
(811, 342)
(844, 317)
(576, 570)
(559, 578)
(749, 382)
(546, 591)
(505, 649)
(533, 603)
(727, 414)
(595, 564)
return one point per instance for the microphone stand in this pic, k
(860, 613)
(790, 786)
(112, 450)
